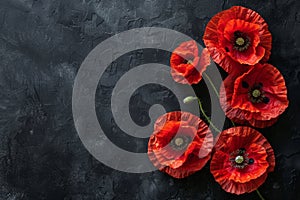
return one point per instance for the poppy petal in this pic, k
(187, 65)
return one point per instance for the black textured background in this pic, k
(43, 43)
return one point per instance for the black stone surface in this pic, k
(43, 43)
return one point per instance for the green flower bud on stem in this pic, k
(189, 99)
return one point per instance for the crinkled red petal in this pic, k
(188, 73)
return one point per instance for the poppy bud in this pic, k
(189, 99)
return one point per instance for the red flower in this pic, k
(238, 36)
(186, 64)
(180, 145)
(257, 97)
(242, 160)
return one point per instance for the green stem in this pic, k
(259, 194)
(215, 89)
(211, 83)
(233, 124)
(207, 118)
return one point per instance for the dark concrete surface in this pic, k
(43, 43)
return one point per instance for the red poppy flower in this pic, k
(180, 145)
(187, 65)
(257, 97)
(238, 37)
(242, 159)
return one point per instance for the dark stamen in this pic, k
(266, 100)
(226, 49)
(260, 85)
(245, 84)
(251, 161)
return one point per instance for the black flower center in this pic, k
(239, 159)
(256, 93)
(189, 60)
(180, 142)
(241, 41)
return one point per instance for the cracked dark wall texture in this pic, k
(43, 43)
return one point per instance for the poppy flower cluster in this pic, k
(253, 95)
(254, 92)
